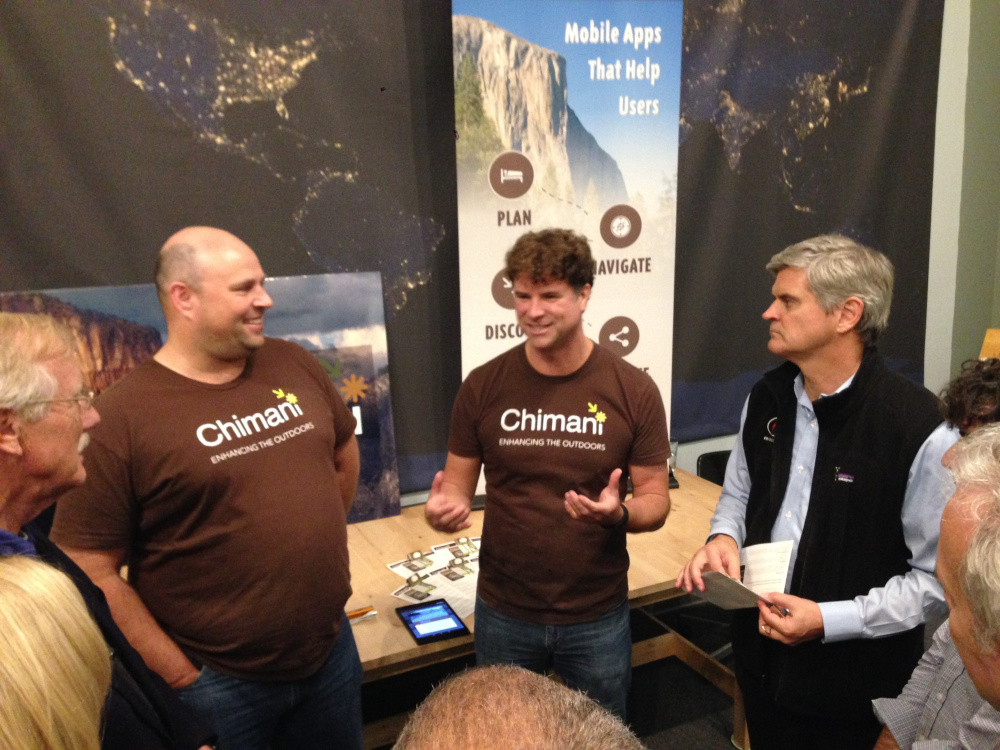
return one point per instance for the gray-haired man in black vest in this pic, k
(843, 458)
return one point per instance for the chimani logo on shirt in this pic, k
(215, 433)
(522, 419)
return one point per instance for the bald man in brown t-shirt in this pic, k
(222, 474)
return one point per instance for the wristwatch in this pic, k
(621, 522)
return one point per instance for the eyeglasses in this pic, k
(84, 399)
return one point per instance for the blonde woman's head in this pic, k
(55, 668)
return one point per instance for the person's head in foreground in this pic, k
(510, 707)
(55, 669)
(211, 287)
(552, 272)
(973, 397)
(968, 563)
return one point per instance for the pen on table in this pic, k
(365, 613)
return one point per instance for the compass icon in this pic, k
(620, 226)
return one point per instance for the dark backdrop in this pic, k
(797, 119)
(122, 121)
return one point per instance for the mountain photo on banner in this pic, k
(566, 116)
(337, 317)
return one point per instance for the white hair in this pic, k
(27, 343)
(976, 464)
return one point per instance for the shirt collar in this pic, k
(803, 400)
(15, 544)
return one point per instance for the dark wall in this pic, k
(120, 125)
(798, 118)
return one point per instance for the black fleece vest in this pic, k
(852, 539)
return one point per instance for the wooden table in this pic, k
(386, 648)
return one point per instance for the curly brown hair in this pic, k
(552, 255)
(973, 397)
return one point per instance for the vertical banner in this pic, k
(566, 115)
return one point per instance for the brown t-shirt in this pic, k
(227, 499)
(539, 437)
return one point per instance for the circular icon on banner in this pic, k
(620, 226)
(511, 174)
(620, 335)
(503, 290)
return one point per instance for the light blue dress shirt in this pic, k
(906, 600)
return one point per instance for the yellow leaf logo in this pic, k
(289, 397)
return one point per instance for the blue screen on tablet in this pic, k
(432, 620)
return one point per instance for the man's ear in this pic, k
(851, 310)
(182, 298)
(10, 438)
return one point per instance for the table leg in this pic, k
(740, 738)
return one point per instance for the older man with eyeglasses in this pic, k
(45, 412)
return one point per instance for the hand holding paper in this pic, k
(803, 623)
(721, 554)
(764, 569)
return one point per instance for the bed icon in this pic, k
(511, 175)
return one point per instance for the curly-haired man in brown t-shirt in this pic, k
(556, 423)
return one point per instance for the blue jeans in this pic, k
(595, 657)
(320, 712)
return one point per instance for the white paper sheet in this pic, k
(452, 574)
(765, 566)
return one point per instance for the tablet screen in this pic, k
(432, 621)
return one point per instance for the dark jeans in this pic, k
(595, 657)
(320, 712)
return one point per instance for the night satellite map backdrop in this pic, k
(322, 133)
(797, 119)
